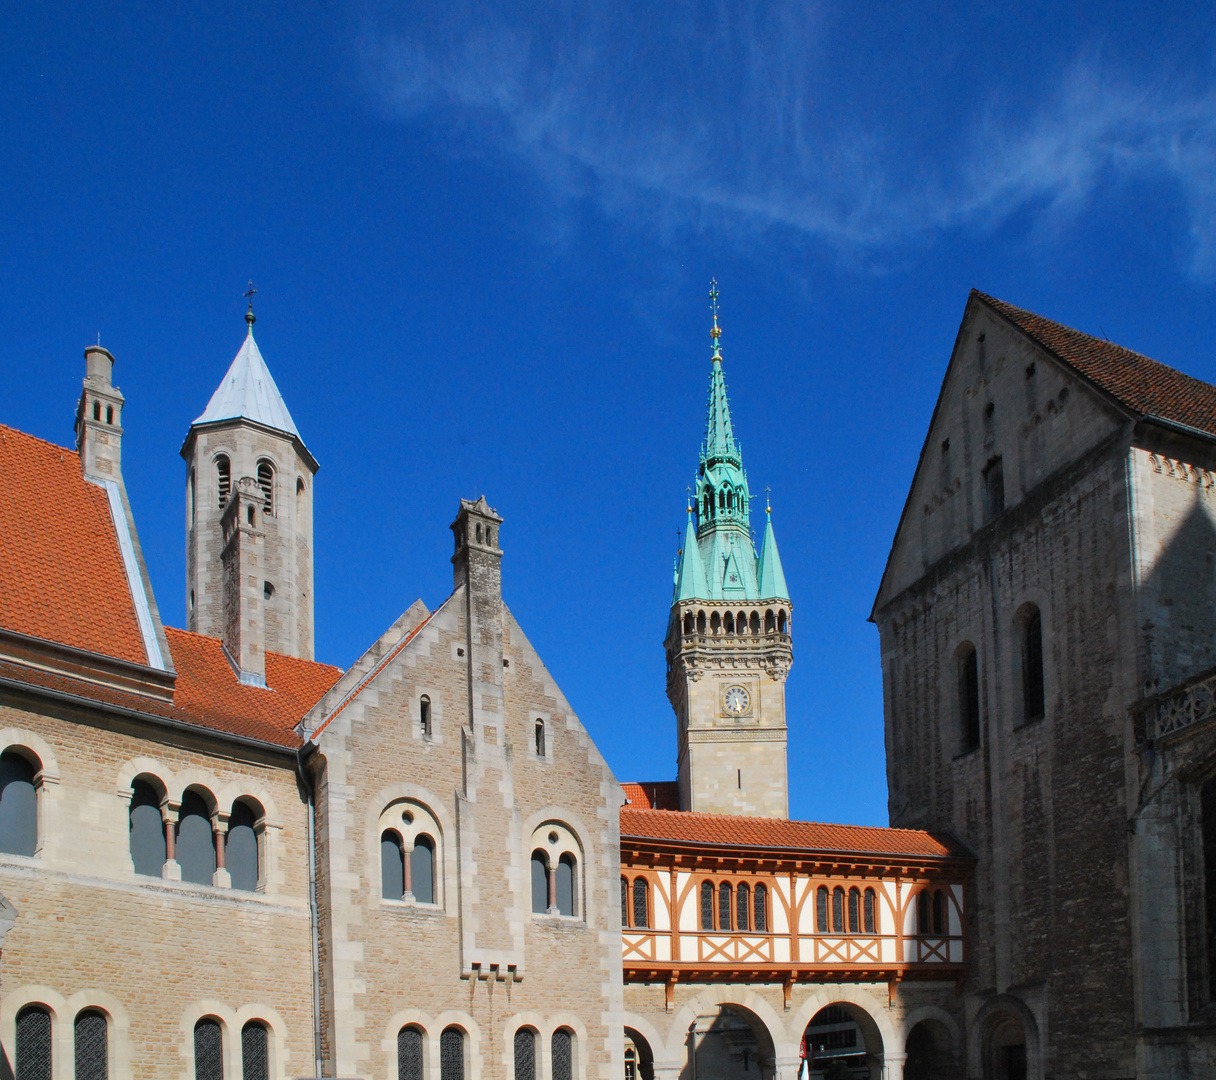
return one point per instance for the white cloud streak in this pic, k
(726, 118)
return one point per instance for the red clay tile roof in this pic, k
(207, 692)
(721, 830)
(1142, 385)
(61, 572)
(652, 794)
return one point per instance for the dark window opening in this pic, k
(821, 909)
(563, 1055)
(969, 698)
(422, 869)
(1034, 699)
(91, 1044)
(147, 830)
(724, 894)
(871, 922)
(707, 905)
(525, 1054)
(223, 475)
(409, 1054)
(854, 911)
(424, 716)
(33, 1049)
(18, 805)
(208, 1050)
(641, 905)
(994, 487)
(540, 738)
(392, 866)
(743, 905)
(565, 885)
(838, 910)
(109, 414)
(195, 847)
(97, 411)
(624, 902)
(241, 847)
(451, 1054)
(761, 901)
(924, 912)
(540, 883)
(939, 912)
(255, 1052)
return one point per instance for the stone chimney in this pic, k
(478, 567)
(99, 417)
(243, 562)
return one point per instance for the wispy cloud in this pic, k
(724, 112)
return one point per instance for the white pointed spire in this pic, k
(248, 390)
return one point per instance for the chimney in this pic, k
(478, 566)
(242, 557)
(99, 417)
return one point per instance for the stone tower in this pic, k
(249, 576)
(728, 638)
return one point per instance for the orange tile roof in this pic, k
(652, 794)
(61, 572)
(1144, 386)
(722, 830)
(207, 692)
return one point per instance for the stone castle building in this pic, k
(1048, 636)
(220, 858)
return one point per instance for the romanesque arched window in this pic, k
(223, 479)
(728, 622)
(33, 1051)
(707, 905)
(1034, 699)
(724, 895)
(241, 858)
(821, 909)
(871, 914)
(208, 1049)
(392, 866)
(838, 910)
(761, 904)
(641, 905)
(564, 889)
(266, 483)
(700, 622)
(195, 842)
(854, 911)
(563, 1054)
(525, 1054)
(18, 803)
(409, 1053)
(743, 906)
(424, 716)
(422, 869)
(147, 829)
(539, 736)
(924, 912)
(781, 620)
(968, 697)
(451, 1054)
(255, 1051)
(540, 882)
(91, 1044)
(690, 622)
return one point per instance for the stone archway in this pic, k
(728, 1041)
(639, 1056)
(930, 1053)
(1004, 1048)
(843, 1042)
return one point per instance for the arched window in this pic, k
(422, 869)
(730, 500)
(707, 905)
(641, 905)
(540, 738)
(724, 892)
(563, 1054)
(870, 913)
(147, 830)
(624, 901)
(715, 623)
(451, 1054)
(91, 1039)
(208, 1049)
(821, 909)
(761, 900)
(18, 805)
(109, 414)
(939, 912)
(838, 910)
(781, 621)
(968, 697)
(854, 911)
(755, 623)
(255, 1051)
(97, 411)
(540, 882)
(409, 1054)
(770, 622)
(743, 906)
(266, 483)
(299, 498)
(728, 622)
(392, 866)
(195, 847)
(424, 716)
(700, 622)
(223, 477)
(190, 497)
(924, 912)
(525, 1054)
(1034, 700)
(241, 846)
(721, 500)
(565, 885)
(741, 623)
(33, 1049)
(690, 622)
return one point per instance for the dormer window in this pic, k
(266, 483)
(223, 476)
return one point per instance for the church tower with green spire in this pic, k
(728, 639)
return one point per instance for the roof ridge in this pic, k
(45, 442)
(769, 821)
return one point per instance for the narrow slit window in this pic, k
(743, 906)
(939, 912)
(1034, 698)
(761, 901)
(838, 910)
(969, 697)
(424, 716)
(924, 912)
(539, 736)
(724, 895)
(871, 918)
(854, 911)
(223, 478)
(147, 830)
(821, 909)
(624, 902)
(540, 883)
(641, 902)
(707, 905)
(565, 885)
(266, 483)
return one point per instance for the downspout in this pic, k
(313, 926)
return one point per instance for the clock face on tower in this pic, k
(737, 700)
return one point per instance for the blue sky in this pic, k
(482, 236)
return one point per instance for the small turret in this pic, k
(99, 417)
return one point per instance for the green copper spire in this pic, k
(718, 560)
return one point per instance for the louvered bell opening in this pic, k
(266, 483)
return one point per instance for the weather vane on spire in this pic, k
(249, 295)
(716, 332)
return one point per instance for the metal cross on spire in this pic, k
(250, 293)
(716, 332)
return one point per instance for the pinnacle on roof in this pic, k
(720, 443)
(772, 577)
(248, 391)
(690, 576)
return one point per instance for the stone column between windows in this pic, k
(219, 830)
(552, 890)
(407, 849)
(172, 870)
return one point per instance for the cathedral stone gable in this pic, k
(1009, 417)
